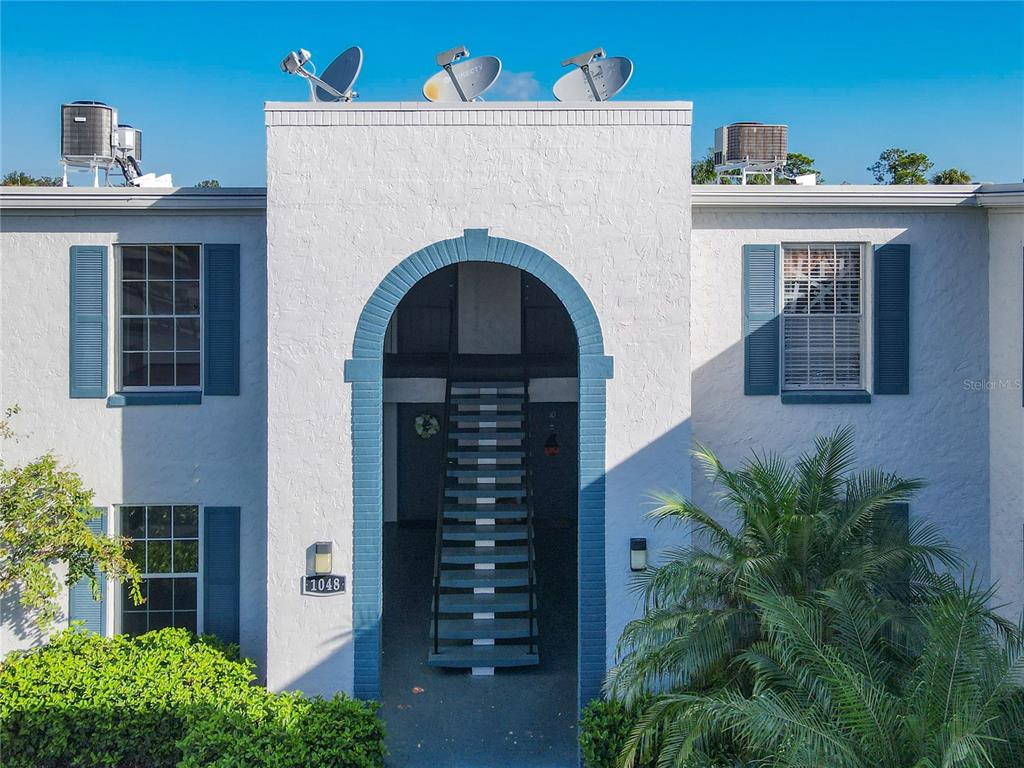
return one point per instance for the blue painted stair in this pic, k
(483, 614)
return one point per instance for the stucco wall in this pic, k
(211, 454)
(606, 198)
(939, 432)
(1006, 299)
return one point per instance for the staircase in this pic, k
(484, 605)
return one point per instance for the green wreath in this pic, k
(427, 425)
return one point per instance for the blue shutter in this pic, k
(760, 319)
(221, 571)
(87, 341)
(221, 319)
(82, 606)
(892, 319)
(897, 527)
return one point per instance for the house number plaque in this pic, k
(323, 585)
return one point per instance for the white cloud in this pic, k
(514, 86)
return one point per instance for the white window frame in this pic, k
(120, 318)
(864, 317)
(118, 592)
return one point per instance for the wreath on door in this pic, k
(426, 425)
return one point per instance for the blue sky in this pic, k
(850, 79)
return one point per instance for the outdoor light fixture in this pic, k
(638, 554)
(322, 558)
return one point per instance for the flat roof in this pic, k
(704, 196)
(857, 196)
(500, 113)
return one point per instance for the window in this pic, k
(822, 316)
(159, 341)
(165, 546)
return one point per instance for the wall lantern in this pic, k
(551, 447)
(323, 560)
(638, 554)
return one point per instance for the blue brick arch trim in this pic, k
(365, 371)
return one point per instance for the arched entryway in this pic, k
(365, 372)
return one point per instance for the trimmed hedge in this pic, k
(166, 699)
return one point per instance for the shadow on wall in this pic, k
(319, 677)
(18, 623)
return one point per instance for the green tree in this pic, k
(703, 171)
(834, 684)
(21, 179)
(898, 166)
(44, 514)
(952, 176)
(209, 184)
(804, 528)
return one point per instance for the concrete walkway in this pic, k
(448, 719)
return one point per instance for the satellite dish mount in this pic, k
(445, 59)
(583, 61)
(463, 79)
(595, 78)
(338, 79)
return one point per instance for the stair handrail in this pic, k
(527, 464)
(438, 536)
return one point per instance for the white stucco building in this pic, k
(227, 366)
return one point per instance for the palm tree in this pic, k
(827, 691)
(803, 528)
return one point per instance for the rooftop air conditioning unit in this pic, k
(88, 134)
(129, 141)
(751, 143)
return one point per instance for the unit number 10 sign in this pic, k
(323, 585)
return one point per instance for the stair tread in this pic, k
(493, 416)
(506, 399)
(484, 656)
(476, 554)
(501, 602)
(494, 492)
(486, 452)
(490, 434)
(491, 577)
(470, 629)
(486, 385)
(485, 512)
(494, 471)
(487, 532)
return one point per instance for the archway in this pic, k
(365, 372)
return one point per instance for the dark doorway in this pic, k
(449, 717)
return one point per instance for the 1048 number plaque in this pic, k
(323, 585)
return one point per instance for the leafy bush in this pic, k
(818, 630)
(286, 730)
(604, 729)
(124, 702)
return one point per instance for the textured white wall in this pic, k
(1006, 286)
(939, 432)
(346, 203)
(207, 454)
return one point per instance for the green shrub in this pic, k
(123, 702)
(603, 732)
(287, 731)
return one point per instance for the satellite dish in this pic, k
(596, 79)
(341, 75)
(337, 80)
(462, 79)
